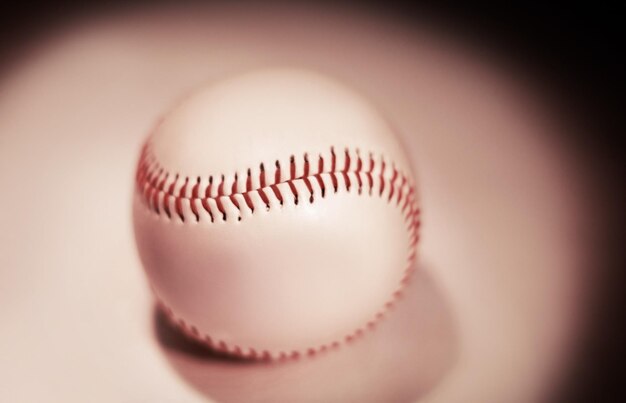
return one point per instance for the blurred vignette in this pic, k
(573, 74)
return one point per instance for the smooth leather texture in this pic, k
(238, 243)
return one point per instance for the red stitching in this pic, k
(345, 171)
(194, 196)
(370, 172)
(249, 181)
(382, 176)
(359, 166)
(264, 198)
(320, 182)
(277, 193)
(392, 183)
(246, 197)
(306, 165)
(233, 189)
(293, 189)
(152, 184)
(309, 187)
(292, 167)
(277, 176)
(161, 192)
(262, 176)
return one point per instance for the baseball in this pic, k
(275, 214)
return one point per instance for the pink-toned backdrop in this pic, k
(498, 300)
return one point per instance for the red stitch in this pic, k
(382, 177)
(346, 168)
(154, 197)
(321, 183)
(207, 208)
(333, 160)
(162, 183)
(346, 178)
(150, 178)
(179, 200)
(407, 200)
(154, 179)
(264, 198)
(194, 195)
(306, 166)
(208, 191)
(277, 175)
(248, 200)
(309, 188)
(233, 199)
(262, 176)
(292, 167)
(233, 189)
(205, 201)
(149, 175)
(220, 207)
(220, 187)
(320, 165)
(249, 182)
(334, 179)
(170, 191)
(195, 189)
(409, 214)
(277, 193)
(166, 205)
(179, 208)
(294, 191)
(370, 173)
(393, 180)
(401, 190)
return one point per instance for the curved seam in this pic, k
(164, 192)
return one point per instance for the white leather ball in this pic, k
(275, 214)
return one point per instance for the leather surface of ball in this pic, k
(275, 214)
